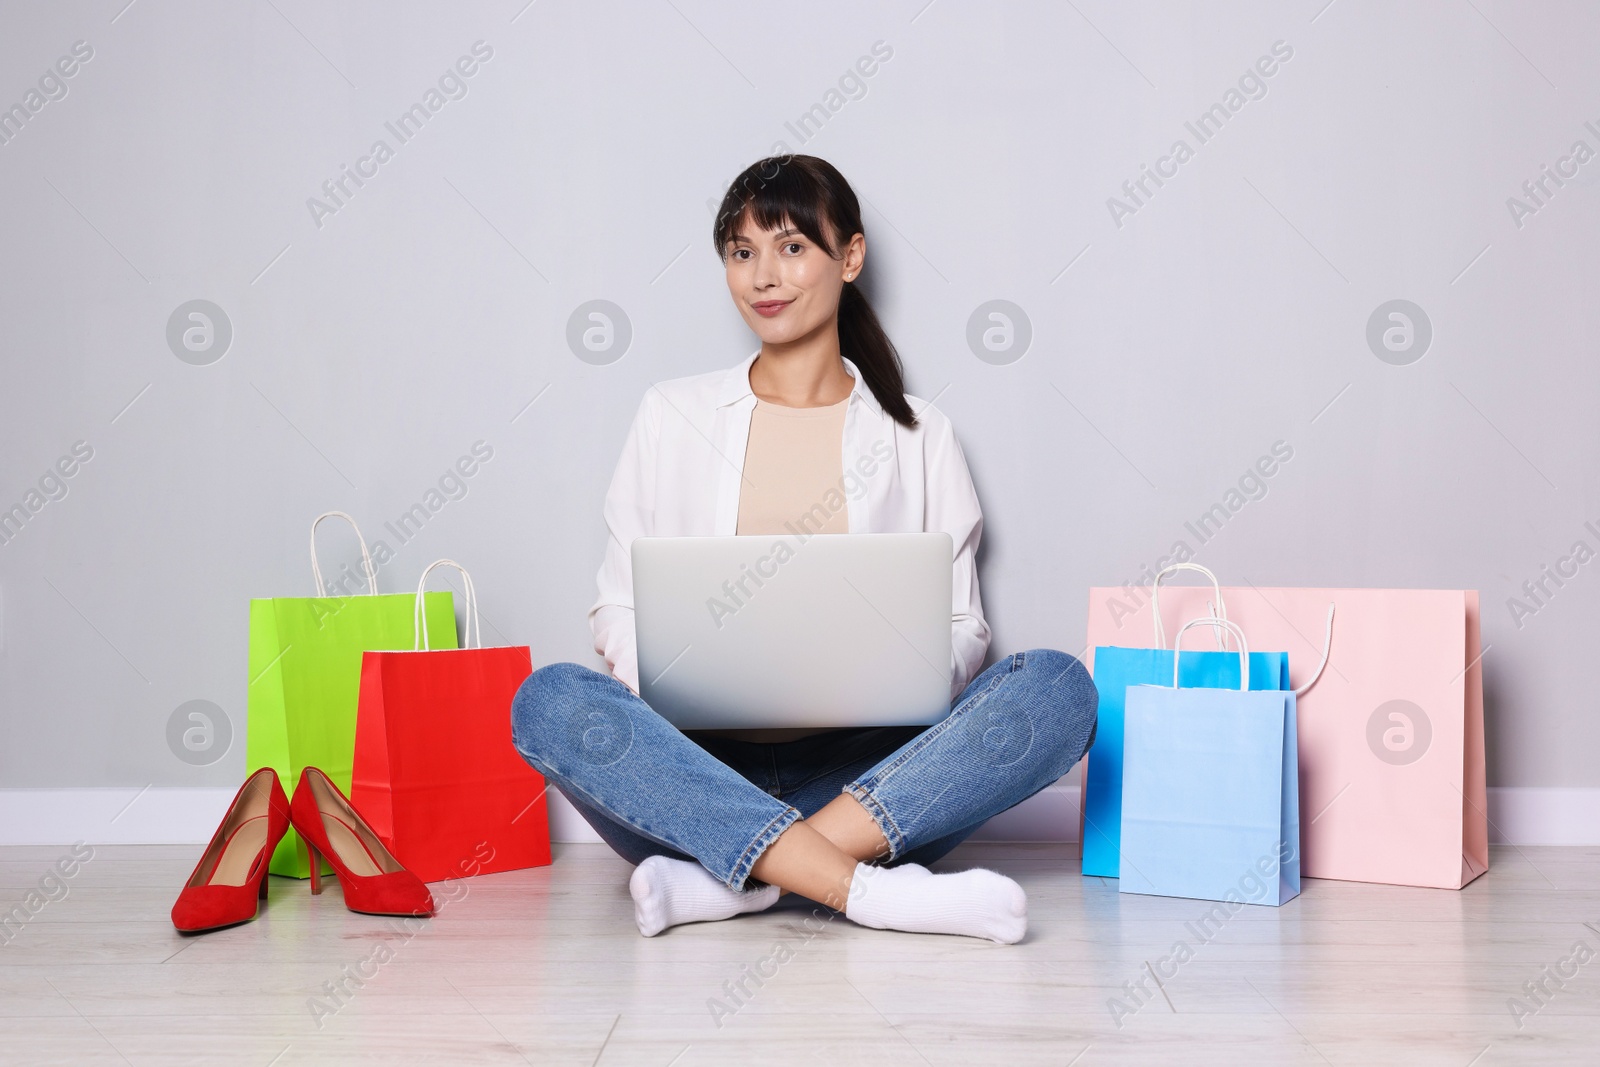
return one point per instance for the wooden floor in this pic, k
(545, 967)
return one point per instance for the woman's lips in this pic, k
(769, 308)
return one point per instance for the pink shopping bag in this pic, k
(1392, 784)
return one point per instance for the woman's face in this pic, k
(786, 285)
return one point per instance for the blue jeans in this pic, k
(648, 789)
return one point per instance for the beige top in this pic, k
(794, 471)
(793, 483)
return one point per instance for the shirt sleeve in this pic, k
(629, 513)
(951, 505)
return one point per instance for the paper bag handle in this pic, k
(1232, 627)
(366, 558)
(1327, 650)
(1220, 611)
(419, 616)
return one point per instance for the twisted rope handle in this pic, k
(366, 557)
(419, 616)
(1233, 627)
(1219, 612)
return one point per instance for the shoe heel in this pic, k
(316, 869)
(261, 894)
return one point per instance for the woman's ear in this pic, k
(855, 254)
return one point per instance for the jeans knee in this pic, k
(1069, 700)
(539, 704)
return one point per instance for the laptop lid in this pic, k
(790, 631)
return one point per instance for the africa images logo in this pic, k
(199, 732)
(999, 332)
(1399, 732)
(1399, 332)
(199, 332)
(599, 332)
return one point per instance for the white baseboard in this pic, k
(1518, 815)
(565, 822)
(1528, 815)
(155, 815)
(1048, 816)
(160, 816)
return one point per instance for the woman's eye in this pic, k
(794, 245)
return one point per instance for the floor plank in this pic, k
(544, 967)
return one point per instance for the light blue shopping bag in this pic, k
(1210, 788)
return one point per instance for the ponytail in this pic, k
(812, 196)
(862, 339)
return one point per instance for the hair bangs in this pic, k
(772, 193)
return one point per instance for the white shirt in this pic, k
(679, 476)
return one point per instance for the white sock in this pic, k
(667, 892)
(976, 903)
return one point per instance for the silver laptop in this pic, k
(772, 631)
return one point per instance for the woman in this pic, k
(720, 823)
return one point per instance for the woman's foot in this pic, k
(667, 892)
(975, 903)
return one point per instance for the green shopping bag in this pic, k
(305, 676)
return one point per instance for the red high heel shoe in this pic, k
(231, 876)
(374, 881)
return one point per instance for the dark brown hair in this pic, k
(812, 196)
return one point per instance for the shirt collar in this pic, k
(736, 384)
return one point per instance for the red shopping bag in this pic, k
(435, 773)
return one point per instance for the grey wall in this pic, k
(1170, 346)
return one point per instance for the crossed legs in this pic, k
(662, 800)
